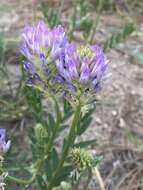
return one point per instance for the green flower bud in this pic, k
(41, 137)
(85, 51)
(81, 159)
(40, 133)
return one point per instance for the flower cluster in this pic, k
(81, 159)
(41, 47)
(82, 69)
(4, 146)
(53, 62)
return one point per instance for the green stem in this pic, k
(26, 182)
(69, 143)
(20, 181)
(88, 179)
(93, 31)
(59, 12)
(56, 127)
(17, 180)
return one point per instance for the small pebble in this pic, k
(122, 122)
(98, 121)
(114, 113)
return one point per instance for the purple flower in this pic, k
(29, 67)
(83, 68)
(4, 146)
(41, 47)
(40, 40)
(51, 62)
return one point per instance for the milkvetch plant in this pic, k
(60, 70)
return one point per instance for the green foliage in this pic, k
(41, 137)
(50, 15)
(51, 122)
(85, 23)
(34, 101)
(67, 110)
(46, 159)
(108, 5)
(119, 36)
(41, 183)
(63, 186)
(81, 159)
(38, 137)
(64, 174)
(85, 122)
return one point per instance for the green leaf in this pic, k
(128, 30)
(48, 169)
(64, 144)
(67, 116)
(63, 127)
(67, 110)
(50, 14)
(84, 126)
(119, 36)
(57, 109)
(51, 122)
(85, 143)
(85, 122)
(41, 183)
(88, 114)
(67, 105)
(54, 159)
(65, 172)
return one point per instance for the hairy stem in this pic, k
(20, 181)
(58, 119)
(69, 143)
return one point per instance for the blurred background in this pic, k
(117, 26)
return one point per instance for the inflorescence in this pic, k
(81, 159)
(55, 64)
